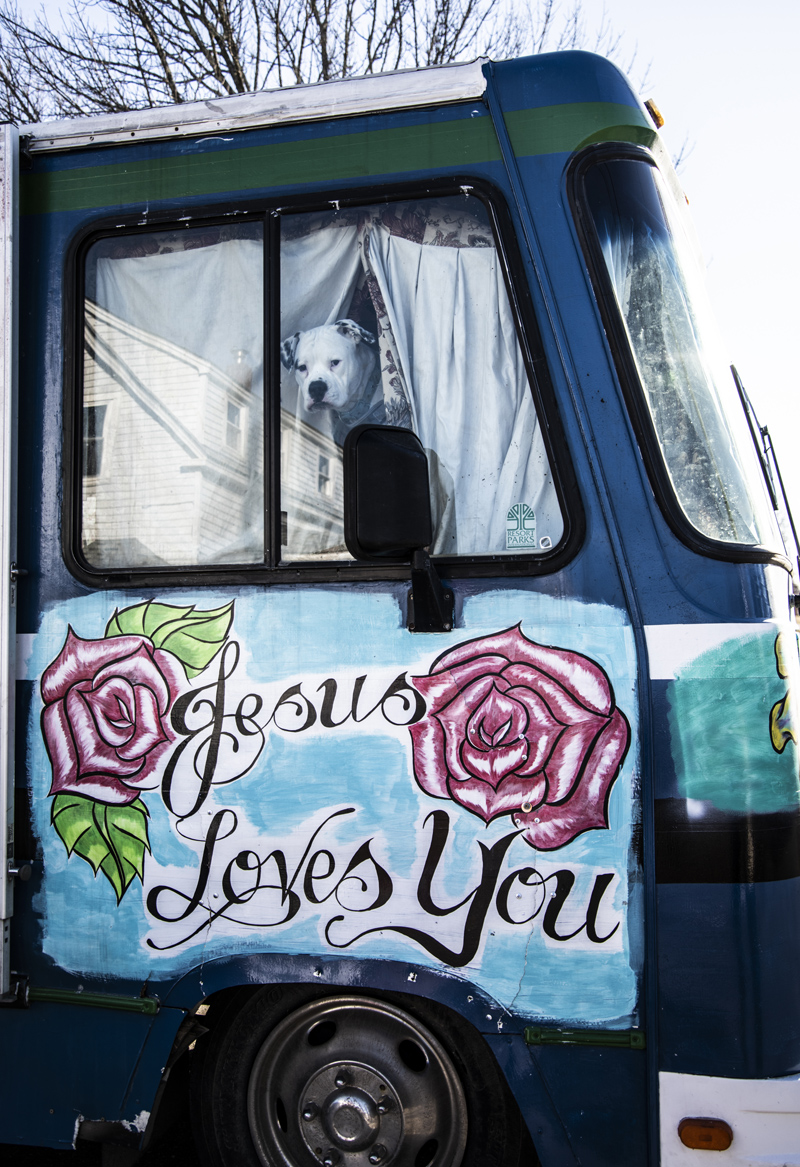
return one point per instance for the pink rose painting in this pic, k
(105, 720)
(514, 727)
(106, 725)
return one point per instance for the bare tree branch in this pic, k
(114, 55)
(685, 152)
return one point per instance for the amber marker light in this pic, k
(705, 1134)
(655, 113)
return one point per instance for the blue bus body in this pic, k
(315, 805)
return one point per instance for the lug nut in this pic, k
(310, 1110)
(342, 1078)
(378, 1153)
(384, 1105)
(330, 1158)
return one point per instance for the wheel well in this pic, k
(464, 1042)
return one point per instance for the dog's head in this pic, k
(332, 364)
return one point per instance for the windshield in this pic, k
(691, 397)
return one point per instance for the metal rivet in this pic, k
(526, 807)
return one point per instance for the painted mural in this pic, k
(469, 809)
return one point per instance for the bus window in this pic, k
(691, 399)
(172, 446)
(398, 314)
(395, 313)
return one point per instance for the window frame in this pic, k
(269, 211)
(633, 391)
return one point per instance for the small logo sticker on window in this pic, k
(520, 526)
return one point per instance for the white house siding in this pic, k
(313, 518)
(170, 489)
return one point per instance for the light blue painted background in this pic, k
(289, 634)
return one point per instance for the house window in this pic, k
(94, 417)
(233, 428)
(324, 476)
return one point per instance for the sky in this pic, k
(722, 72)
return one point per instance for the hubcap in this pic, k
(351, 1109)
(351, 1082)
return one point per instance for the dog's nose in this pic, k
(317, 390)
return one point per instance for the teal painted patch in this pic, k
(720, 708)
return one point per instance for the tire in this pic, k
(291, 1076)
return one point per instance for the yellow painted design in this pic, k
(782, 720)
(781, 649)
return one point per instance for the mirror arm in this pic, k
(431, 608)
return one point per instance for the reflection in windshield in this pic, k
(692, 400)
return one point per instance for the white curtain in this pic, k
(318, 277)
(207, 300)
(470, 400)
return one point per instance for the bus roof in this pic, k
(405, 89)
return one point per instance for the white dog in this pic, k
(336, 368)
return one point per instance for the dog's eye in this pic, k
(335, 363)
(302, 368)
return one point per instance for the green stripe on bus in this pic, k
(621, 1038)
(560, 129)
(335, 159)
(331, 159)
(148, 1005)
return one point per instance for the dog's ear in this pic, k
(288, 350)
(350, 328)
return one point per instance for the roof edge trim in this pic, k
(404, 89)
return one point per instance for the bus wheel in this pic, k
(293, 1079)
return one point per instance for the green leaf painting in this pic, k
(194, 637)
(112, 839)
(113, 836)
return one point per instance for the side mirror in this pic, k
(387, 508)
(387, 515)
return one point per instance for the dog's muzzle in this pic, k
(316, 392)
